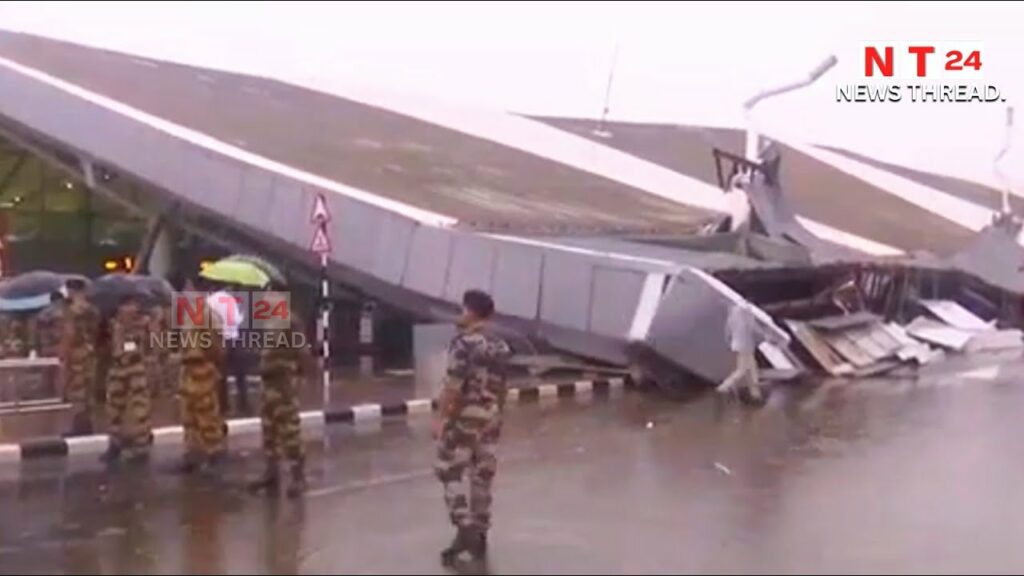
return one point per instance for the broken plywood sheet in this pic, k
(877, 368)
(918, 352)
(909, 348)
(849, 349)
(865, 339)
(899, 333)
(939, 334)
(955, 315)
(777, 356)
(819, 349)
(863, 345)
(844, 321)
(996, 340)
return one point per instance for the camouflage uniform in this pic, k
(18, 333)
(50, 329)
(205, 428)
(129, 398)
(81, 324)
(157, 357)
(282, 368)
(468, 440)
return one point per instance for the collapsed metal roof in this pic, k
(484, 185)
(815, 189)
(253, 152)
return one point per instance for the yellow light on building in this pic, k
(110, 265)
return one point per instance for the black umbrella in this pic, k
(31, 284)
(107, 291)
(159, 290)
(84, 280)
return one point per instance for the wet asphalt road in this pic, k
(868, 477)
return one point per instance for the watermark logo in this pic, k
(231, 312)
(254, 340)
(919, 72)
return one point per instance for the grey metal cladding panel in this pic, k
(471, 267)
(289, 220)
(44, 108)
(199, 182)
(115, 139)
(517, 275)
(393, 248)
(615, 299)
(162, 159)
(427, 268)
(689, 328)
(225, 184)
(565, 290)
(257, 195)
(16, 94)
(355, 230)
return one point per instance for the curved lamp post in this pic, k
(753, 137)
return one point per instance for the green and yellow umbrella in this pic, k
(272, 271)
(233, 271)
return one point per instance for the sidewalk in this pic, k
(348, 388)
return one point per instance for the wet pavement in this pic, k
(875, 476)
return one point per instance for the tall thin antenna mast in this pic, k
(602, 130)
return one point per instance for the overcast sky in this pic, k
(686, 62)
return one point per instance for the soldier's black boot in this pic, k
(81, 425)
(112, 455)
(270, 480)
(463, 542)
(298, 486)
(478, 547)
(190, 463)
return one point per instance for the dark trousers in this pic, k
(237, 365)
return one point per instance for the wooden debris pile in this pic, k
(861, 343)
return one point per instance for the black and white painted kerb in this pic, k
(312, 421)
(325, 321)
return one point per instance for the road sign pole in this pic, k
(321, 245)
(325, 319)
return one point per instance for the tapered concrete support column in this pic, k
(158, 254)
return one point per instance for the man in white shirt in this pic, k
(745, 334)
(229, 310)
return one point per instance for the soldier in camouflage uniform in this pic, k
(469, 425)
(80, 330)
(50, 326)
(129, 397)
(157, 357)
(18, 331)
(201, 416)
(282, 368)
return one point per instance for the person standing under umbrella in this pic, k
(129, 398)
(231, 317)
(80, 330)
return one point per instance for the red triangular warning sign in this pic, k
(320, 213)
(321, 241)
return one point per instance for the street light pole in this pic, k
(753, 137)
